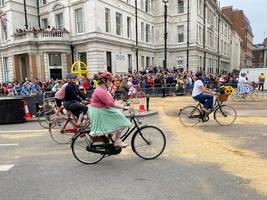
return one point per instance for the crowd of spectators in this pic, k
(33, 29)
(152, 80)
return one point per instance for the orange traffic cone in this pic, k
(27, 113)
(142, 104)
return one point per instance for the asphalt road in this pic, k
(37, 168)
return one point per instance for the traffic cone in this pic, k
(142, 104)
(27, 113)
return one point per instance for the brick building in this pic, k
(241, 25)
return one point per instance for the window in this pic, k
(180, 61)
(55, 59)
(118, 23)
(79, 20)
(142, 31)
(147, 5)
(143, 62)
(42, 2)
(180, 33)
(6, 70)
(147, 33)
(44, 23)
(2, 2)
(128, 27)
(107, 18)
(180, 6)
(83, 57)
(109, 61)
(59, 21)
(147, 61)
(129, 63)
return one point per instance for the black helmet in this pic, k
(199, 74)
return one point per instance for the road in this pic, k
(204, 162)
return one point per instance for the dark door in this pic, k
(109, 62)
(56, 74)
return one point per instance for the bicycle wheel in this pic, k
(190, 116)
(44, 118)
(257, 95)
(225, 115)
(148, 142)
(61, 130)
(237, 97)
(79, 146)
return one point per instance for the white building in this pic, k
(235, 52)
(102, 34)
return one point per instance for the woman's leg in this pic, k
(118, 142)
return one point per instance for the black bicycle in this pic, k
(223, 114)
(148, 142)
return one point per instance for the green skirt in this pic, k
(107, 120)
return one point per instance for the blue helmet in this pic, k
(71, 75)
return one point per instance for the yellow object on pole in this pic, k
(80, 69)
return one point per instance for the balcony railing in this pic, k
(41, 36)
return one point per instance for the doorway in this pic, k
(56, 74)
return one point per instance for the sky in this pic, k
(256, 12)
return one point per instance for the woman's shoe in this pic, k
(120, 144)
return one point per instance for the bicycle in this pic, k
(191, 115)
(254, 95)
(46, 110)
(62, 129)
(90, 150)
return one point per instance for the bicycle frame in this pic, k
(73, 119)
(131, 130)
(217, 105)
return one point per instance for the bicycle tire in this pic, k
(147, 136)
(257, 95)
(223, 112)
(44, 119)
(78, 146)
(60, 134)
(236, 97)
(190, 116)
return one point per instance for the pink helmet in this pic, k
(105, 75)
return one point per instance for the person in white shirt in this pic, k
(203, 94)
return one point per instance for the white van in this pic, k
(253, 74)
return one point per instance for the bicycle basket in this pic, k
(223, 97)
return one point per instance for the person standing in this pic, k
(261, 81)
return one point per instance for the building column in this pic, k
(42, 66)
(32, 67)
(16, 74)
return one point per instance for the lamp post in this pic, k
(165, 33)
(136, 35)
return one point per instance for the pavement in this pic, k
(205, 162)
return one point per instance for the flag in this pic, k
(4, 22)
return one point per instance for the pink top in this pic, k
(61, 93)
(102, 99)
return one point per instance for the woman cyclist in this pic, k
(244, 87)
(203, 94)
(104, 116)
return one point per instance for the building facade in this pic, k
(235, 52)
(102, 33)
(241, 25)
(260, 54)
